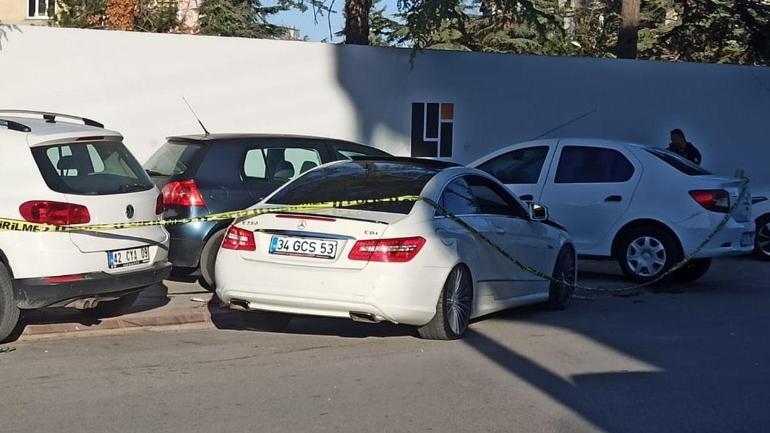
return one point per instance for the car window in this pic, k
(97, 168)
(473, 195)
(683, 165)
(172, 159)
(279, 164)
(494, 199)
(458, 198)
(586, 164)
(521, 166)
(358, 180)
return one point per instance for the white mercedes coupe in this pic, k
(424, 263)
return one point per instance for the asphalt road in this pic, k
(689, 359)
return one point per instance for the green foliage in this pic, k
(720, 31)
(80, 13)
(249, 18)
(734, 31)
(159, 16)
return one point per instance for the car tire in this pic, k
(565, 269)
(267, 321)
(762, 240)
(453, 308)
(208, 260)
(691, 271)
(647, 252)
(9, 312)
(115, 307)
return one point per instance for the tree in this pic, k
(357, 21)
(720, 31)
(143, 15)
(628, 37)
(241, 18)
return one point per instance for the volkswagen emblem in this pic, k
(301, 225)
(129, 211)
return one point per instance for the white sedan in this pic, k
(402, 262)
(644, 206)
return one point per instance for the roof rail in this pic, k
(15, 126)
(51, 117)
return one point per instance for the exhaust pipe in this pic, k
(83, 304)
(239, 304)
(357, 316)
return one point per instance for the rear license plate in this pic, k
(130, 257)
(747, 239)
(303, 247)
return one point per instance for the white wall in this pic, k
(133, 82)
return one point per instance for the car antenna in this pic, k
(196, 116)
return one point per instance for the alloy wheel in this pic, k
(763, 238)
(566, 273)
(458, 300)
(646, 256)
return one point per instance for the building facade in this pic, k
(28, 12)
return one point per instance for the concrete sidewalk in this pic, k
(170, 305)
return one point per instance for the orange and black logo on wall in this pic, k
(432, 129)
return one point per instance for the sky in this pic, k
(319, 31)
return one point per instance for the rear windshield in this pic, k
(91, 168)
(172, 159)
(358, 180)
(683, 165)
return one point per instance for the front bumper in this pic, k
(394, 292)
(38, 293)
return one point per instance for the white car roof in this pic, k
(560, 140)
(43, 132)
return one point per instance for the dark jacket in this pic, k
(689, 152)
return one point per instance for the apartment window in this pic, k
(40, 8)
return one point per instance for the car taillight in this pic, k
(239, 239)
(54, 212)
(183, 193)
(159, 206)
(397, 250)
(715, 200)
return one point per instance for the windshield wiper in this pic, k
(153, 172)
(133, 187)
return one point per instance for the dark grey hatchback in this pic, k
(203, 174)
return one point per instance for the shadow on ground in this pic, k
(153, 297)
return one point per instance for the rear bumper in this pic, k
(736, 238)
(185, 253)
(396, 292)
(37, 293)
(188, 240)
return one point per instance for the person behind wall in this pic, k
(682, 147)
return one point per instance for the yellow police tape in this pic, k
(7, 224)
(25, 226)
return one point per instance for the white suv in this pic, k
(644, 206)
(64, 173)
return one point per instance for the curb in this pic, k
(204, 315)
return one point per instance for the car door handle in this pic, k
(526, 197)
(614, 199)
(499, 231)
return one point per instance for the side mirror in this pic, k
(538, 212)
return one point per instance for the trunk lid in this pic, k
(102, 175)
(116, 209)
(342, 226)
(742, 210)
